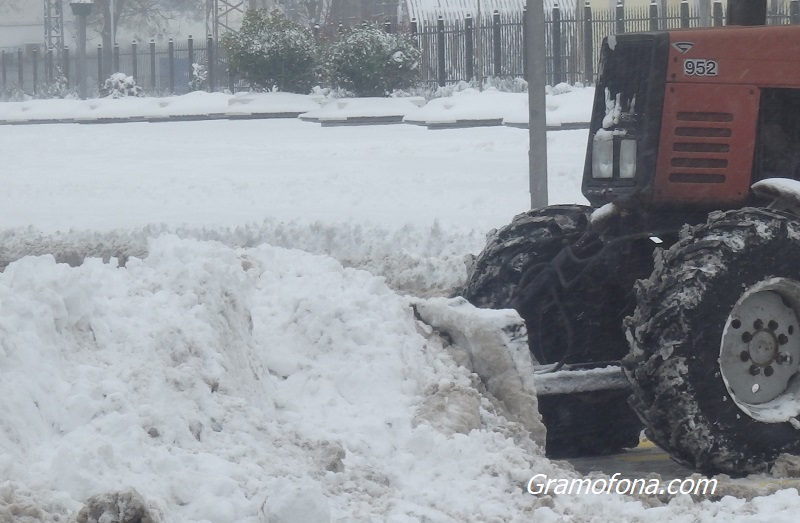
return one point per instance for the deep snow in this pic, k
(258, 359)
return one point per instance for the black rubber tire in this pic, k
(676, 333)
(577, 424)
(530, 238)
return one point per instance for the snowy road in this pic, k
(230, 173)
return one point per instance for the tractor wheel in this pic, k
(530, 238)
(715, 344)
(580, 424)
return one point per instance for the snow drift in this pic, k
(230, 385)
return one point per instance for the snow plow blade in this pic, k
(497, 344)
(571, 379)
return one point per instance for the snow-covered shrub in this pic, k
(506, 84)
(14, 95)
(199, 80)
(272, 51)
(371, 62)
(119, 85)
(58, 88)
(562, 88)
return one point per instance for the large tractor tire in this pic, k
(715, 344)
(580, 424)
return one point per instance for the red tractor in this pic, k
(685, 271)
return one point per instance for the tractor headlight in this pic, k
(627, 159)
(603, 155)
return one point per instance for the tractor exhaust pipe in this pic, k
(747, 12)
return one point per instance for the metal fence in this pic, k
(158, 69)
(472, 48)
(493, 45)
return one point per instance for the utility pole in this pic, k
(54, 29)
(537, 123)
(224, 16)
(747, 12)
(81, 9)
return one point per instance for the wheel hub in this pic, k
(763, 348)
(760, 349)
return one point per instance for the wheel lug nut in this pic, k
(783, 339)
(746, 337)
(768, 371)
(755, 370)
(736, 324)
(782, 358)
(745, 356)
(773, 325)
(758, 324)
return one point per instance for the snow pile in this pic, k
(191, 104)
(469, 104)
(227, 385)
(564, 105)
(417, 260)
(343, 108)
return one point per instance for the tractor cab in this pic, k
(690, 119)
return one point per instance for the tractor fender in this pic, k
(784, 193)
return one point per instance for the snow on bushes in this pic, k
(272, 51)
(119, 85)
(199, 81)
(371, 62)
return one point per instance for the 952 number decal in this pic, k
(699, 67)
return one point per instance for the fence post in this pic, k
(440, 50)
(171, 57)
(20, 72)
(100, 82)
(134, 62)
(653, 16)
(66, 64)
(3, 66)
(35, 60)
(496, 43)
(557, 69)
(620, 18)
(588, 43)
(115, 58)
(794, 11)
(191, 59)
(387, 26)
(210, 62)
(684, 14)
(48, 65)
(469, 50)
(415, 31)
(717, 13)
(524, 43)
(153, 64)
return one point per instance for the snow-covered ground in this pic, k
(565, 105)
(257, 359)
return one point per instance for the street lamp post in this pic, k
(81, 9)
(537, 125)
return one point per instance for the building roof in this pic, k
(429, 10)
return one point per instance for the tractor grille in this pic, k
(700, 147)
